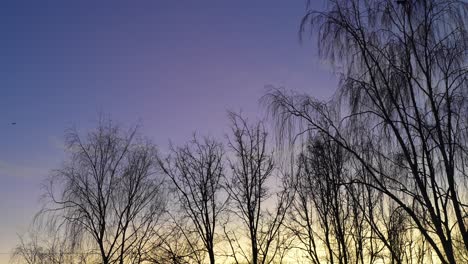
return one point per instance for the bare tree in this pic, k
(252, 168)
(34, 250)
(196, 170)
(42, 245)
(330, 217)
(322, 203)
(404, 68)
(177, 243)
(108, 193)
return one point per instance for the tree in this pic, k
(108, 194)
(322, 212)
(196, 170)
(252, 167)
(34, 249)
(177, 243)
(404, 81)
(49, 244)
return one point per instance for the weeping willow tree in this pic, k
(400, 110)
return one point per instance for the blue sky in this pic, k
(173, 66)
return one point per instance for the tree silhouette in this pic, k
(196, 170)
(252, 166)
(404, 84)
(108, 193)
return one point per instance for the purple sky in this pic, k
(175, 66)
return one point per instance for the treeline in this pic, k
(375, 175)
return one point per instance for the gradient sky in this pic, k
(173, 66)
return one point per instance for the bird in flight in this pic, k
(14, 123)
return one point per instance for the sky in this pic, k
(173, 66)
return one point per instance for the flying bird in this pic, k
(14, 123)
